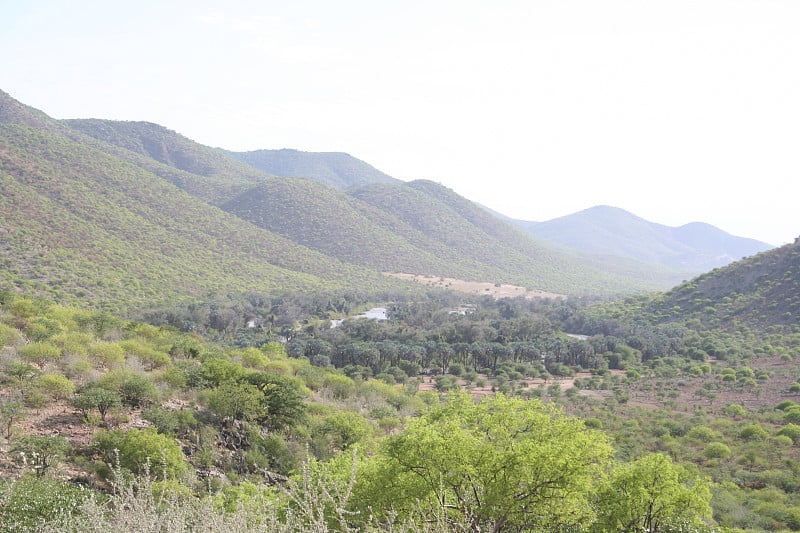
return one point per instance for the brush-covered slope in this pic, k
(202, 171)
(83, 225)
(761, 291)
(331, 221)
(695, 247)
(334, 169)
(466, 230)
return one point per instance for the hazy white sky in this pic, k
(675, 110)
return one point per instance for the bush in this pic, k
(33, 502)
(57, 386)
(169, 422)
(138, 391)
(141, 450)
(41, 353)
(717, 450)
(792, 431)
(340, 386)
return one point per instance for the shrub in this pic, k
(792, 431)
(41, 353)
(716, 450)
(340, 386)
(138, 391)
(34, 502)
(57, 386)
(141, 450)
(107, 353)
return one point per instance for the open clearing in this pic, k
(496, 290)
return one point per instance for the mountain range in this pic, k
(695, 247)
(101, 212)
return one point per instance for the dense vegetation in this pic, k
(193, 369)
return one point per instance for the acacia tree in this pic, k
(652, 494)
(502, 464)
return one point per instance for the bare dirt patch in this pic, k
(496, 290)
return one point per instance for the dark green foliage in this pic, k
(103, 400)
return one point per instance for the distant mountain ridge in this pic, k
(334, 169)
(695, 247)
(121, 210)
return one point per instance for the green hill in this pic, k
(469, 231)
(760, 292)
(334, 169)
(84, 226)
(198, 169)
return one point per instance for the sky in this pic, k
(675, 110)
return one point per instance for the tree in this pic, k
(652, 494)
(96, 398)
(282, 400)
(142, 449)
(502, 464)
(10, 412)
(41, 451)
(41, 353)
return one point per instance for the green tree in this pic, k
(41, 353)
(96, 398)
(652, 494)
(41, 451)
(140, 449)
(10, 411)
(282, 400)
(502, 464)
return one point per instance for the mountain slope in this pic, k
(694, 247)
(199, 170)
(85, 226)
(334, 169)
(467, 230)
(762, 291)
(339, 225)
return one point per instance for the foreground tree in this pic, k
(500, 465)
(653, 494)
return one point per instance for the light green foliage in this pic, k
(141, 449)
(150, 357)
(339, 385)
(792, 431)
(8, 335)
(239, 401)
(652, 494)
(73, 342)
(35, 502)
(343, 429)
(41, 353)
(57, 386)
(40, 452)
(753, 432)
(500, 464)
(716, 450)
(107, 354)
